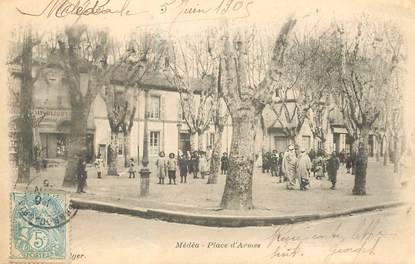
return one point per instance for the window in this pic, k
(320, 145)
(61, 145)
(318, 118)
(211, 139)
(154, 142)
(154, 107)
(59, 101)
(120, 144)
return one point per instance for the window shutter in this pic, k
(162, 108)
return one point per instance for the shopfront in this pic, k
(54, 134)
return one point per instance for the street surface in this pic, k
(377, 237)
(270, 197)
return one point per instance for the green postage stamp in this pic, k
(39, 227)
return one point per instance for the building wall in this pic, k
(165, 125)
(328, 146)
(305, 138)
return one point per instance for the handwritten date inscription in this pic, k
(176, 9)
(193, 9)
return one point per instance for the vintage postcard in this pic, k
(207, 131)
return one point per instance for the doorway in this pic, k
(184, 144)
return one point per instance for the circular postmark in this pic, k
(44, 207)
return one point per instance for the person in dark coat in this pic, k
(194, 164)
(333, 164)
(183, 166)
(274, 163)
(266, 162)
(348, 163)
(224, 163)
(342, 156)
(81, 174)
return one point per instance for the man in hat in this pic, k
(303, 169)
(288, 167)
(333, 165)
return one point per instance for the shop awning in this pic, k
(339, 130)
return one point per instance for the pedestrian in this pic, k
(98, 166)
(209, 154)
(161, 165)
(183, 166)
(131, 169)
(171, 168)
(333, 164)
(342, 156)
(348, 162)
(303, 169)
(281, 174)
(266, 162)
(288, 166)
(81, 173)
(203, 165)
(194, 164)
(224, 163)
(318, 168)
(312, 154)
(274, 163)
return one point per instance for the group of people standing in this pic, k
(291, 166)
(196, 163)
(272, 163)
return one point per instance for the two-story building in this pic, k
(168, 131)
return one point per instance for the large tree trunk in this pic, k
(215, 163)
(355, 149)
(25, 131)
(127, 153)
(361, 163)
(396, 157)
(193, 141)
(77, 143)
(113, 155)
(200, 141)
(238, 187)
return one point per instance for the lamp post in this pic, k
(145, 172)
(179, 128)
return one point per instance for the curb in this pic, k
(220, 220)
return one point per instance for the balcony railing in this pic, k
(47, 114)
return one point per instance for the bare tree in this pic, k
(307, 81)
(142, 55)
(26, 121)
(220, 119)
(366, 69)
(194, 73)
(82, 56)
(248, 80)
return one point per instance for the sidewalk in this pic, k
(200, 200)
